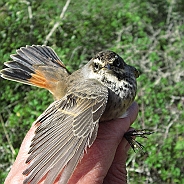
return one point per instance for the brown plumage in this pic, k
(101, 90)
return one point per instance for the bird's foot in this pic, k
(138, 133)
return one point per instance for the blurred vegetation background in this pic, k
(147, 34)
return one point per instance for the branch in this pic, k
(57, 23)
(7, 136)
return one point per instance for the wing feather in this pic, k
(65, 130)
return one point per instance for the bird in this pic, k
(101, 90)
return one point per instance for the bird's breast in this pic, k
(120, 97)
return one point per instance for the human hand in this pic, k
(104, 162)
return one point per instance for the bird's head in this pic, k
(110, 65)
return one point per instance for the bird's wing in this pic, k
(36, 65)
(66, 129)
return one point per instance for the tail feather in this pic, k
(37, 54)
(15, 65)
(36, 65)
(20, 60)
(16, 75)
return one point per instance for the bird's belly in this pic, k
(116, 106)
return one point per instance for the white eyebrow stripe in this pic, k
(97, 61)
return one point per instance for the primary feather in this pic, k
(66, 129)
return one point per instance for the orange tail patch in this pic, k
(39, 79)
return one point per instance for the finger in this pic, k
(15, 174)
(117, 172)
(131, 112)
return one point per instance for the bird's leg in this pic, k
(139, 133)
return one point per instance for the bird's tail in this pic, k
(36, 65)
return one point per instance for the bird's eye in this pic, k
(96, 66)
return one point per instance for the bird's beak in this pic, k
(136, 72)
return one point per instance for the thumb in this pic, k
(117, 173)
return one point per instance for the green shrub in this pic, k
(148, 35)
